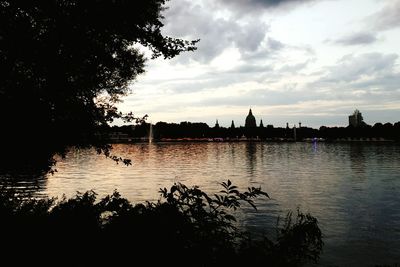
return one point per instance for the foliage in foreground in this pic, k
(186, 227)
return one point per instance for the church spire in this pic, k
(233, 125)
(261, 124)
(216, 124)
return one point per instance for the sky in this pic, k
(308, 61)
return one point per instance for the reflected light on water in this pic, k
(351, 188)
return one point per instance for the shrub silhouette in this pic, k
(186, 227)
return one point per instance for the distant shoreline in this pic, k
(268, 140)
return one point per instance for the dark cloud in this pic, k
(193, 21)
(249, 68)
(247, 5)
(249, 37)
(386, 18)
(275, 44)
(249, 34)
(361, 38)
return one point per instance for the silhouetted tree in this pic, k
(65, 64)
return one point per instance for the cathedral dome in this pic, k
(250, 120)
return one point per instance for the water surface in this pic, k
(353, 189)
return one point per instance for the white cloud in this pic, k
(352, 68)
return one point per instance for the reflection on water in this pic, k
(351, 188)
(251, 154)
(357, 161)
(28, 184)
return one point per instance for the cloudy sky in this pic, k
(313, 61)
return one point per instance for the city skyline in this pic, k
(290, 61)
(354, 119)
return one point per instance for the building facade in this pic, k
(356, 119)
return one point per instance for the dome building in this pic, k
(250, 120)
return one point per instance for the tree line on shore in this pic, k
(198, 130)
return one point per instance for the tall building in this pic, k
(356, 119)
(232, 125)
(250, 120)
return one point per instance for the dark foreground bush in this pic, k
(186, 227)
